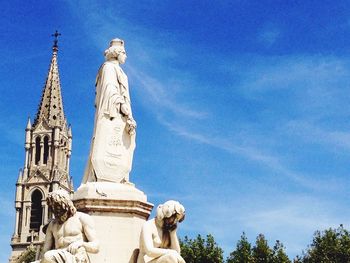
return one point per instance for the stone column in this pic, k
(25, 221)
(41, 161)
(46, 212)
(17, 223)
(33, 154)
(26, 158)
(67, 163)
(119, 211)
(43, 207)
(55, 145)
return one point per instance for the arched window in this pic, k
(46, 149)
(36, 213)
(37, 150)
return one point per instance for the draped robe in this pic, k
(112, 147)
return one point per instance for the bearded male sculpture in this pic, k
(158, 241)
(70, 235)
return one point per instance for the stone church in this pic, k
(48, 145)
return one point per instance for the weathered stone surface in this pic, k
(119, 211)
(113, 141)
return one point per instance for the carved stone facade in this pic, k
(48, 144)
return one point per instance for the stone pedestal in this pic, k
(119, 211)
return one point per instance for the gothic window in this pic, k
(36, 211)
(46, 149)
(37, 150)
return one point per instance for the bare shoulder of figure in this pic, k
(53, 223)
(85, 218)
(150, 224)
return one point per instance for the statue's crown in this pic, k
(117, 42)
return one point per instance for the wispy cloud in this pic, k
(314, 86)
(312, 133)
(267, 159)
(159, 97)
(269, 34)
(298, 72)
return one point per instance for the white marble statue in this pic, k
(158, 241)
(113, 141)
(71, 235)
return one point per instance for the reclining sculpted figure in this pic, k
(158, 241)
(70, 235)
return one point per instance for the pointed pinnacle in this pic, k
(70, 131)
(20, 173)
(29, 125)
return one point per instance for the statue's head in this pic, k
(169, 214)
(61, 205)
(116, 50)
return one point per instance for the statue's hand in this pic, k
(176, 255)
(131, 125)
(73, 247)
(172, 228)
(125, 109)
(173, 251)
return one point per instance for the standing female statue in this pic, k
(113, 141)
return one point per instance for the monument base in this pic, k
(119, 211)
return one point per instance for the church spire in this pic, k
(48, 148)
(51, 105)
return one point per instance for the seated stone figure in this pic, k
(158, 240)
(70, 235)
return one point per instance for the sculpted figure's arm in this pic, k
(146, 240)
(49, 241)
(92, 245)
(174, 241)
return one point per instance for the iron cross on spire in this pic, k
(56, 35)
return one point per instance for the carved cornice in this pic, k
(134, 207)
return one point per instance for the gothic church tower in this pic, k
(48, 144)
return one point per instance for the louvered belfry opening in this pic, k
(46, 149)
(36, 213)
(37, 150)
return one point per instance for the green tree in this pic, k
(243, 252)
(278, 253)
(329, 246)
(200, 250)
(298, 259)
(28, 255)
(262, 253)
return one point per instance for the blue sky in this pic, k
(242, 106)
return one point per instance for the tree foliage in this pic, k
(200, 250)
(328, 246)
(262, 253)
(331, 246)
(242, 253)
(278, 253)
(259, 253)
(28, 255)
